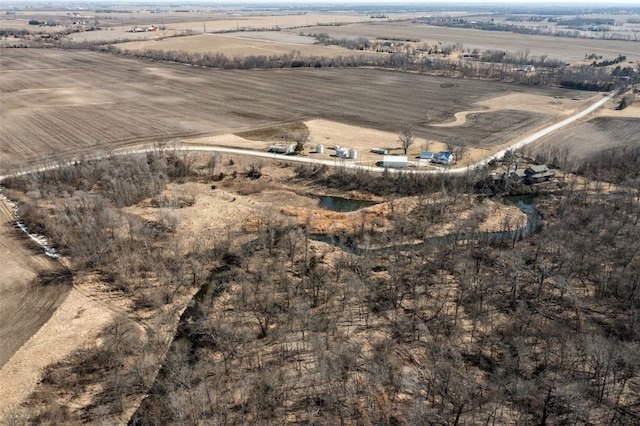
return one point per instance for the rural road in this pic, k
(341, 162)
(353, 165)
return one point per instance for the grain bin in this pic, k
(353, 154)
(319, 149)
(341, 152)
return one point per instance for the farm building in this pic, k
(341, 152)
(517, 175)
(282, 148)
(426, 155)
(537, 174)
(395, 161)
(443, 157)
(532, 174)
(381, 151)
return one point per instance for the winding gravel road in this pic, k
(340, 163)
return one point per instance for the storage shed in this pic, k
(395, 161)
(381, 151)
(426, 155)
(282, 148)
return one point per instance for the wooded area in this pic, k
(370, 326)
(215, 288)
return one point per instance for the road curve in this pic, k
(338, 162)
(552, 128)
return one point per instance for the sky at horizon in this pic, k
(337, 2)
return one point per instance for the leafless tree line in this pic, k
(597, 30)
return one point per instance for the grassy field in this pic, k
(71, 102)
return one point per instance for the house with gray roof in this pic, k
(537, 174)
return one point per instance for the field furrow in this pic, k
(593, 136)
(107, 100)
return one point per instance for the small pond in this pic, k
(339, 204)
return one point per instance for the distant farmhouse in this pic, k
(532, 174)
(143, 29)
(443, 157)
(538, 174)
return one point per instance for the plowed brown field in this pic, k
(25, 303)
(598, 134)
(561, 48)
(63, 103)
(244, 44)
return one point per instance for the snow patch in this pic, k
(39, 239)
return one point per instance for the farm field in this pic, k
(24, 303)
(68, 103)
(569, 50)
(244, 44)
(601, 133)
(232, 22)
(116, 26)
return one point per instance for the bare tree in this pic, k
(457, 147)
(300, 137)
(406, 137)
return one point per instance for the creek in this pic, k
(216, 282)
(524, 203)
